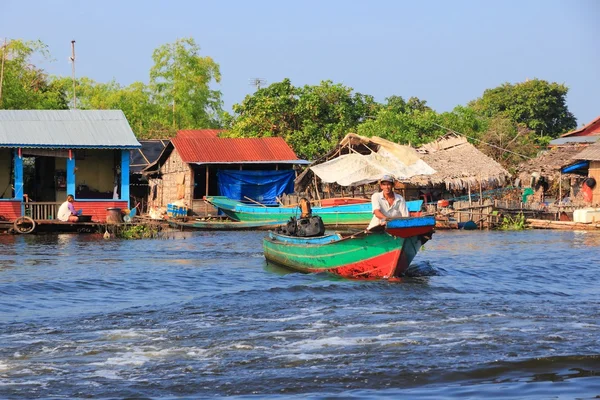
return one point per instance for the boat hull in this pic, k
(228, 225)
(337, 215)
(372, 255)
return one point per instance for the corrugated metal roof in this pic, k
(233, 150)
(593, 128)
(591, 153)
(574, 139)
(199, 133)
(66, 129)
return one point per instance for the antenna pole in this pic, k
(2, 69)
(73, 73)
(257, 82)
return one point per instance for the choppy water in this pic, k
(485, 315)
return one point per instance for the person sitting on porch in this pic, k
(387, 204)
(66, 212)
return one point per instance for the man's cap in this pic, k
(387, 178)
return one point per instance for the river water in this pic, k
(483, 315)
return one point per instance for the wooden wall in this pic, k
(594, 172)
(176, 183)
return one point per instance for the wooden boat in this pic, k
(221, 224)
(335, 215)
(383, 253)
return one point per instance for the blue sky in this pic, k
(445, 52)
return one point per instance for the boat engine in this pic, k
(306, 226)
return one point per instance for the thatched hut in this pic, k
(358, 160)
(459, 166)
(544, 175)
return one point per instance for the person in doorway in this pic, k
(387, 204)
(66, 212)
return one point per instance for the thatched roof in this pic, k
(377, 153)
(459, 165)
(591, 153)
(549, 163)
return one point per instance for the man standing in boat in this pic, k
(387, 204)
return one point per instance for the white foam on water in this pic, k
(140, 356)
(4, 366)
(316, 344)
(106, 373)
(130, 358)
(118, 334)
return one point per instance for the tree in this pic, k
(180, 84)
(507, 142)
(25, 86)
(536, 104)
(311, 119)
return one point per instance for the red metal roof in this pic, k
(214, 150)
(593, 128)
(199, 133)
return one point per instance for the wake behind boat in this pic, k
(382, 253)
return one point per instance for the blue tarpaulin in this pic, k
(260, 186)
(576, 166)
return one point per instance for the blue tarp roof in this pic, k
(574, 167)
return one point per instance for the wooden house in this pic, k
(589, 159)
(47, 154)
(190, 165)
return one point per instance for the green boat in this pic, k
(376, 254)
(347, 214)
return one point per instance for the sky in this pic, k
(445, 52)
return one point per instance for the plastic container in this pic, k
(586, 215)
(113, 215)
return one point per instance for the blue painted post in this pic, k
(71, 174)
(125, 176)
(19, 179)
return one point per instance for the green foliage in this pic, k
(180, 84)
(536, 104)
(25, 86)
(178, 96)
(138, 232)
(516, 223)
(311, 119)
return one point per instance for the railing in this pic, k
(42, 210)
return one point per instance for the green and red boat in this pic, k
(382, 253)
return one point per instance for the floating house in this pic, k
(588, 160)
(198, 163)
(47, 154)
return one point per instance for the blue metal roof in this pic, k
(99, 129)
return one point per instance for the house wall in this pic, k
(176, 183)
(96, 170)
(5, 176)
(594, 172)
